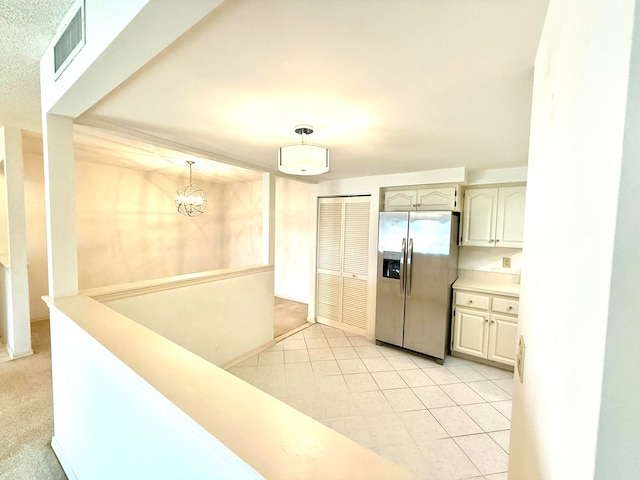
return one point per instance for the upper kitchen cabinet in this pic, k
(433, 198)
(494, 217)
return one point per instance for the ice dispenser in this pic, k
(391, 264)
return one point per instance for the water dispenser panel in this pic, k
(391, 265)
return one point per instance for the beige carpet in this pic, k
(26, 416)
(288, 315)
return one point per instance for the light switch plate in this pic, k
(520, 359)
(506, 262)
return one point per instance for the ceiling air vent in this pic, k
(69, 40)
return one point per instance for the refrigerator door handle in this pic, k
(402, 255)
(409, 258)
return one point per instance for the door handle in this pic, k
(404, 248)
(409, 259)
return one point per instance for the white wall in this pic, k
(295, 229)
(110, 423)
(574, 174)
(16, 327)
(489, 259)
(4, 239)
(4, 311)
(122, 392)
(218, 320)
(618, 454)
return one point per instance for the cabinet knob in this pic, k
(486, 320)
(470, 301)
(497, 240)
(493, 321)
(509, 308)
(491, 241)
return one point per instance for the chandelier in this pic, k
(191, 200)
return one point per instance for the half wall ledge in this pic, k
(148, 373)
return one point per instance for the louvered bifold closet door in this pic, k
(355, 262)
(329, 258)
(343, 261)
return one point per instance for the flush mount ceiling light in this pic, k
(303, 158)
(191, 201)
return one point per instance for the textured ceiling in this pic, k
(26, 28)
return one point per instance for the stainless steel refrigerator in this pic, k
(417, 265)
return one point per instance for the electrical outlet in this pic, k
(520, 359)
(506, 262)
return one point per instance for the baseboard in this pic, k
(4, 354)
(39, 319)
(264, 346)
(64, 463)
(484, 361)
(13, 355)
(297, 300)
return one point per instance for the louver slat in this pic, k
(328, 296)
(343, 260)
(354, 302)
(329, 235)
(356, 238)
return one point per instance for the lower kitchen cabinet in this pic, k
(485, 326)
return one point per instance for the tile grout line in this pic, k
(358, 350)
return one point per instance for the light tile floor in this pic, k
(441, 422)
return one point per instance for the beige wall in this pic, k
(129, 230)
(36, 224)
(241, 230)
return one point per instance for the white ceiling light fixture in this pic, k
(191, 200)
(303, 158)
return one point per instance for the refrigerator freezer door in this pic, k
(392, 239)
(427, 305)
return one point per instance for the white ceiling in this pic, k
(390, 86)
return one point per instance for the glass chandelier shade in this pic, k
(303, 158)
(191, 200)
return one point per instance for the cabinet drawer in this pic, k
(473, 300)
(505, 305)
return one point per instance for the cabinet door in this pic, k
(470, 332)
(400, 200)
(479, 217)
(510, 217)
(437, 198)
(343, 261)
(502, 339)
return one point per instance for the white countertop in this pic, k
(484, 286)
